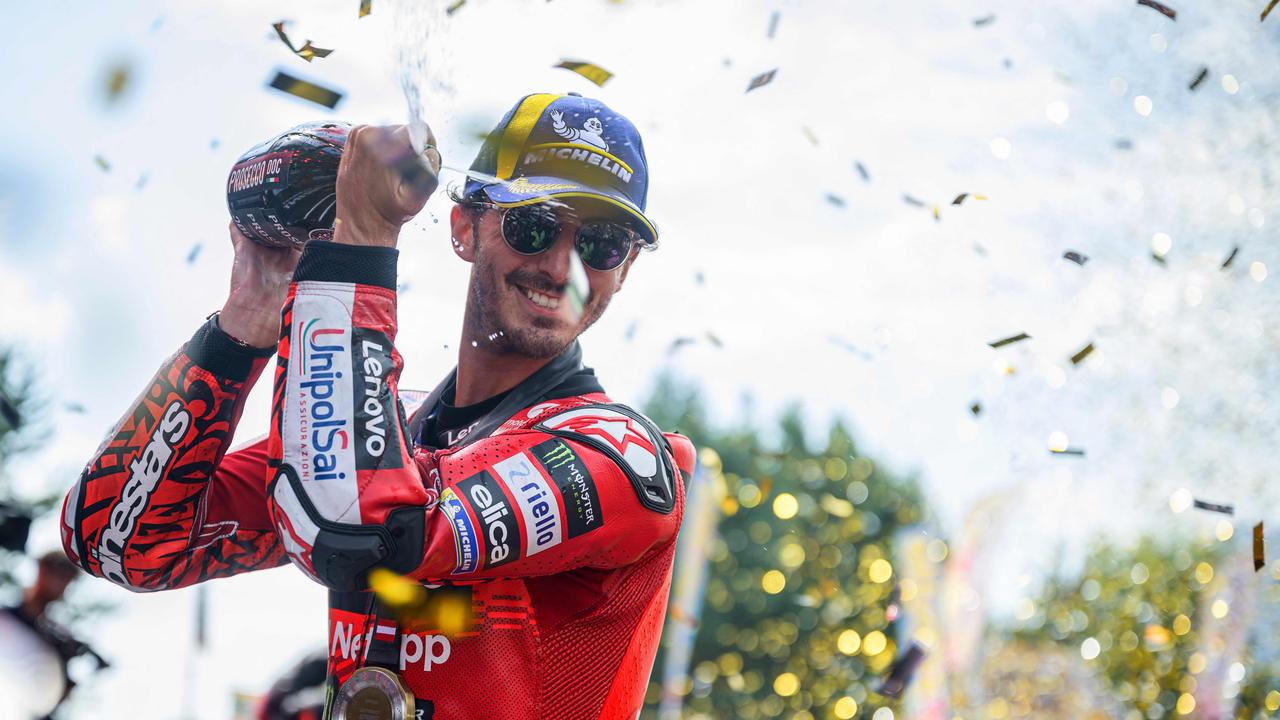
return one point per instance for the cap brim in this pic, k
(527, 191)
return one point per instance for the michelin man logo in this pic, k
(589, 134)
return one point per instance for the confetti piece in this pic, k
(762, 79)
(715, 340)
(1159, 259)
(74, 407)
(1226, 264)
(862, 170)
(448, 609)
(813, 139)
(984, 21)
(195, 253)
(1204, 73)
(1082, 354)
(630, 334)
(1259, 552)
(1010, 340)
(835, 200)
(102, 163)
(976, 409)
(1124, 144)
(1160, 8)
(215, 143)
(699, 278)
(117, 82)
(1267, 12)
(912, 201)
(455, 7)
(366, 7)
(10, 413)
(307, 52)
(1215, 507)
(962, 196)
(594, 73)
(773, 23)
(308, 91)
(849, 347)
(902, 671)
(141, 183)
(1078, 452)
(679, 343)
(1075, 257)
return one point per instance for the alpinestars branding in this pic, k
(145, 472)
(577, 489)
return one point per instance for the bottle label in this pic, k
(256, 174)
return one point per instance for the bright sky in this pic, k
(1026, 109)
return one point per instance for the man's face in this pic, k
(518, 304)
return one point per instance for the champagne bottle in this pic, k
(282, 192)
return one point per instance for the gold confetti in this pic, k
(1068, 451)
(1234, 251)
(1259, 551)
(1267, 12)
(862, 170)
(117, 82)
(102, 163)
(1009, 340)
(813, 139)
(762, 79)
(976, 409)
(1204, 73)
(307, 52)
(366, 7)
(984, 21)
(835, 200)
(963, 196)
(1160, 8)
(455, 7)
(445, 609)
(1082, 354)
(1075, 257)
(902, 671)
(594, 73)
(308, 91)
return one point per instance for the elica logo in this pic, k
(321, 346)
(144, 474)
(498, 523)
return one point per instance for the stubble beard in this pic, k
(539, 339)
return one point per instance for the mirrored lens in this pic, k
(530, 229)
(604, 244)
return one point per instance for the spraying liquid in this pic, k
(421, 59)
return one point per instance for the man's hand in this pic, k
(259, 284)
(382, 183)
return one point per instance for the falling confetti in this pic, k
(1010, 340)
(1078, 452)
(862, 170)
(594, 73)
(1267, 12)
(1124, 144)
(976, 409)
(103, 164)
(902, 671)
(699, 278)
(912, 201)
(1226, 264)
(195, 253)
(448, 609)
(215, 143)
(117, 82)
(74, 407)
(835, 200)
(307, 52)
(849, 347)
(1259, 551)
(1160, 8)
(1075, 257)
(1215, 507)
(308, 91)
(630, 334)
(1204, 73)
(141, 183)
(773, 23)
(808, 134)
(762, 79)
(714, 339)
(962, 196)
(455, 7)
(1082, 354)
(1159, 259)
(679, 343)
(984, 21)
(366, 7)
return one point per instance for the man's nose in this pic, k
(555, 261)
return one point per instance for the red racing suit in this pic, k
(556, 517)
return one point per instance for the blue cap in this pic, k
(565, 146)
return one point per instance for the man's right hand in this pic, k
(259, 284)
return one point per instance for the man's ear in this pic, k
(461, 222)
(626, 268)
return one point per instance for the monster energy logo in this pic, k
(559, 456)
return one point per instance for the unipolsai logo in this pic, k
(324, 422)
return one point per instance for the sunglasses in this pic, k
(602, 244)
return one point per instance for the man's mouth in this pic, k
(547, 300)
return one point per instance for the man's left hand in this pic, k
(382, 184)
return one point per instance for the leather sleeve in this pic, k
(162, 504)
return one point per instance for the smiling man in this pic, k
(516, 487)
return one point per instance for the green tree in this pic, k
(19, 432)
(796, 621)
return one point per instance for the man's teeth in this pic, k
(541, 300)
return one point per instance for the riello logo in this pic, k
(324, 425)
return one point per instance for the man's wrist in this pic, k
(348, 233)
(255, 324)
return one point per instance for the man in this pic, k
(517, 484)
